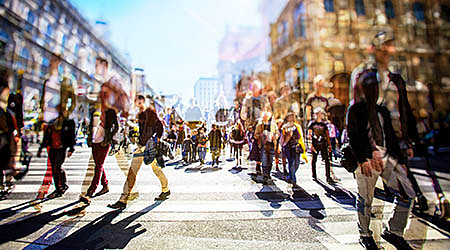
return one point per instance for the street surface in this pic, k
(208, 209)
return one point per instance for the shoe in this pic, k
(331, 181)
(40, 196)
(118, 205)
(267, 180)
(64, 189)
(162, 196)
(55, 194)
(395, 240)
(104, 190)
(368, 243)
(85, 199)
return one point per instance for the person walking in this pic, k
(318, 133)
(293, 145)
(237, 142)
(215, 144)
(150, 128)
(102, 128)
(202, 140)
(268, 134)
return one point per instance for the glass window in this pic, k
(419, 11)
(445, 12)
(360, 8)
(49, 30)
(299, 16)
(328, 5)
(25, 53)
(389, 7)
(64, 40)
(30, 17)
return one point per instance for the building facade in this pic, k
(332, 37)
(34, 31)
(206, 90)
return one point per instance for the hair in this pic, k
(4, 75)
(140, 97)
(102, 60)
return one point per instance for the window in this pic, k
(49, 30)
(419, 11)
(25, 53)
(30, 20)
(63, 41)
(299, 15)
(328, 5)
(360, 8)
(389, 7)
(445, 12)
(44, 66)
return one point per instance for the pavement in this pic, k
(209, 208)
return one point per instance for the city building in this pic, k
(139, 84)
(34, 31)
(206, 90)
(331, 37)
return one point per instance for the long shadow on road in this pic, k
(23, 228)
(102, 234)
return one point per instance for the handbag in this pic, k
(150, 151)
(348, 160)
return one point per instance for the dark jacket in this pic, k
(149, 126)
(215, 139)
(67, 135)
(187, 145)
(111, 127)
(358, 132)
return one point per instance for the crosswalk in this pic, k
(327, 212)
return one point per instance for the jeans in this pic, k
(136, 163)
(293, 162)
(202, 153)
(393, 175)
(99, 153)
(323, 151)
(57, 157)
(267, 160)
(215, 153)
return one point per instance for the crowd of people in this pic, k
(380, 128)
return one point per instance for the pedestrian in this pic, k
(194, 144)
(279, 153)
(380, 102)
(237, 142)
(180, 137)
(59, 135)
(333, 132)
(150, 128)
(318, 133)
(172, 137)
(101, 130)
(375, 144)
(187, 150)
(267, 132)
(254, 104)
(293, 145)
(215, 143)
(8, 139)
(202, 140)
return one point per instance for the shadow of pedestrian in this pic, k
(103, 234)
(271, 194)
(236, 170)
(339, 194)
(310, 202)
(8, 212)
(17, 230)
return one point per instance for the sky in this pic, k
(174, 41)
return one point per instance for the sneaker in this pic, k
(395, 240)
(64, 189)
(368, 243)
(162, 196)
(104, 190)
(85, 199)
(118, 205)
(331, 181)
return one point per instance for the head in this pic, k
(290, 117)
(213, 127)
(319, 82)
(319, 113)
(285, 89)
(266, 116)
(383, 44)
(256, 88)
(140, 102)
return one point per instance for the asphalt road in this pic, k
(208, 209)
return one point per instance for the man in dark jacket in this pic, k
(59, 135)
(378, 119)
(150, 128)
(215, 144)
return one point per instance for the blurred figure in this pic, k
(150, 128)
(237, 142)
(293, 146)
(254, 105)
(283, 103)
(318, 133)
(188, 148)
(316, 99)
(267, 131)
(215, 143)
(202, 140)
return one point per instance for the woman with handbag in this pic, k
(292, 145)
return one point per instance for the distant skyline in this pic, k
(174, 41)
